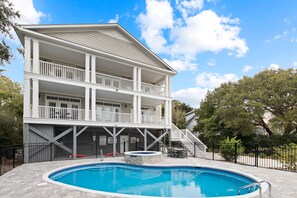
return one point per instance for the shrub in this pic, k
(227, 148)
(288, 156)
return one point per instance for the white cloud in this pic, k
(196, 32)
(115, 20)
(212, 80)
(208, 32)
(187, 7)
(273, 67)
(158, 17)
(181, 65)
(294, 64)
(247, 68)
(29, 14)
(211, 62)
(191, 96)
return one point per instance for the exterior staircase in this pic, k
(189, 141)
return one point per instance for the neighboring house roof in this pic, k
(105, 38)
(190, 116)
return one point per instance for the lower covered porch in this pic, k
(57, 142)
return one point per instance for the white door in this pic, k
(99, 113)
(64, 114)
(146, 115)
(124, 143)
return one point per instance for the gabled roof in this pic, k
(108, 38)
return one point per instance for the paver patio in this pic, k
(26, 180)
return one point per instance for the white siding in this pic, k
(109, 43)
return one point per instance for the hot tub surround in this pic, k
(143, 157)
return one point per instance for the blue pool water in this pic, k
(174, 181)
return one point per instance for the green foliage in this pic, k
(266, 101)
(179, 111)
(11, 112)
(227, 148)
(288, 156)
(7, 17)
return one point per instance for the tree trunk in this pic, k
(265, 126)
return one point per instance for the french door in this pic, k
(107, 112)
(64, 109)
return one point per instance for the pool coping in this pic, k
(46, 178)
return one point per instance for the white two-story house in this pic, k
(89, 88)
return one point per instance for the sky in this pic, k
(208, 42)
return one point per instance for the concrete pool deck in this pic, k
(26, 180)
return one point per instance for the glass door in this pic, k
(64, 114)
(52, 109)
(74, 112)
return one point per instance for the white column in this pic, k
(93, 69)
(36, 56)
(93, 104)
(87, 103)
(35, 98)
(167, 85)
(87, 68)
(74, 151)
(166, 112)
(26, 142)
(139, 109)
(27, 54)
(27, 97)
(134, 78)
(139, 79)
(135, 109)
(169, 112)
(145, 139)
(114, 149)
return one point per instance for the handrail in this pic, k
(255, 184)
(189, 133)
(60, 65)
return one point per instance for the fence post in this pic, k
(235, 153)
(195, 149)
(256, 154)
(13, 158)
(0, 159)
(124, 146)
(213, 151)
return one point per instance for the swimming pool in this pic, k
(158, 181)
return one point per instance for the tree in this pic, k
(179, 111)
(11, 112)
(268, 101)
(7, 16)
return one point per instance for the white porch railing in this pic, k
(59, 113)
(152, 89)
(152, 120)
(61, 71)
(193, 138)
(106, 116)
(114, 82)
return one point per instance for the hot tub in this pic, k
(143, 157)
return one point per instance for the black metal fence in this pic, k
(10, 157)
(278, 157)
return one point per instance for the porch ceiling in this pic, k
(151, 101)
(65, 56)
(51, 87)
(113, 96)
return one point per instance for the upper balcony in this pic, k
(76, 74)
